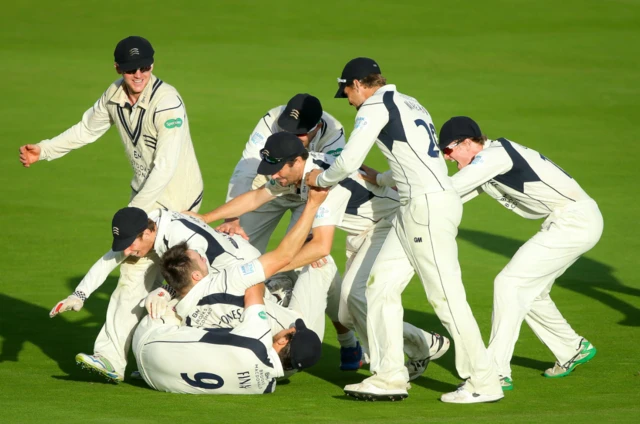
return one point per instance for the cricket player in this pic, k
(243, 360)
(529, 184)
(138, 235)
(152, 122)
(318, 131)
(423, 241)
(359, 208)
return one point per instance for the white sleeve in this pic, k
(100, 271)
(243, 276)
(333, 208)
(247, 168)
(486, 165)
(167, 155)
(385, 179)
(472, 194)
(370, 120)
(95, 122)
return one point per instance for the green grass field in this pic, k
(561, 77)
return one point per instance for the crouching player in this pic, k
(243, 360)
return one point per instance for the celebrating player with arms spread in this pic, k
(152, 122)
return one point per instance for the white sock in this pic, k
(347, 339)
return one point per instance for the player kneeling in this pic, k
(243, 360)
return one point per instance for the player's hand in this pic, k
(196, 215)
(156, 302)
(29, 153)
(317, 195)
(71, 303)
(319, 263)
(232, 227)
(310, 178)
(369, 174)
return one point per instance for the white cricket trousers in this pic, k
(316, 292)
(425, 241)
(521, 290)
(124, 312)
(261, 223)
(362, 253)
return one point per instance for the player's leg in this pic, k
(427, 227)
(123, 314)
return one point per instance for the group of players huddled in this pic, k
(209, 311)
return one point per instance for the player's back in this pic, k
(205, 361)
(409, 142)
(533, 181)
(220, 249)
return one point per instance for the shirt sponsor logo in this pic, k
(247, 269)
(257, 138)
(173, 123)
(262, 314)
(361, 121)
(335, 153)
(323, 212)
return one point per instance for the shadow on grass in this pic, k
(588, 277)
(59, 338)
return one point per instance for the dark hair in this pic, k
(176, 267)
(285, 354)
(151, 226)
(371, 80)
(304, 156)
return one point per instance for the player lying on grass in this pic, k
(319, 132)
(244, 360)
(137, 235)
(355, 206)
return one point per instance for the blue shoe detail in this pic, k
(351, 358)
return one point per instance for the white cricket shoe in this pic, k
(439, 346)
(100, 365)
(368, 391)
(462, 395)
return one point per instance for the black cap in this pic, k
(357, 68)
(127, 223)
(279, 148)
(306, 347)
(457, 128)
(303, 112)
(132, 53)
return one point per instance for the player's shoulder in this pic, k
(321, 160)
(332, 123)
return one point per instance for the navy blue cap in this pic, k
(306, 347)
(278, 150)
(458, 128)
(301, 115)
(127, 223)
(132, 53)
(356, 69)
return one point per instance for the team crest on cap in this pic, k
(134, 52)
(116, 231)
(295, 114)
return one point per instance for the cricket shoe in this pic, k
(462, 395)
(351, 358)
(586, 353)
(100, 365)
(439, 346)
(135, 375)
(506, 383)
(368, 391)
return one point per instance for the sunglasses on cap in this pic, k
(264, 154)
(133, 71)
(449, 149)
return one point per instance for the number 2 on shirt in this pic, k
(431, 130)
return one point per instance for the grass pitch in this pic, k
(560, 77)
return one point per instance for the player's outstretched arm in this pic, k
(290, 245)
(314, 250)
(72, 303)
(29, 154)
(242, 204)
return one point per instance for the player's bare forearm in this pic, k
(293, 240)
(311, 252)
(254, 295)
(242, 204)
